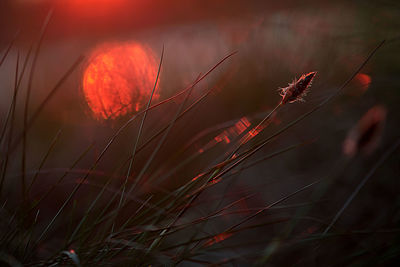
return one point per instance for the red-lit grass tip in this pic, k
(296, 90)
(364, 137)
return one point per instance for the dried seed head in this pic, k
(297, 89)
(365, 135)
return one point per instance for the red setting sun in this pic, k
(119, 79)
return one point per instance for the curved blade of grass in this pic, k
(182, 191)
(138, 136)
(160, 143)
(13, 100)
(53, 143)
(17, 86)
(180, 227)
(166, 127)
(163, 176)
(73, 256)
(49, 96)
(201, 78)
(27, 98)
(11, 114)
(362, 183)
(192, 106)
(117, 134)
(51, 189)
(27, 213)
(250, 165)
(247, 131)
(146, 143)
(162, 140)
(112, 139)
(218, 173)
(69, 241)
(274, 154)
(9, 259)
(106, 236)
(92, 205)
(109, 217)
(206, 238)
(171, 124)
(31, 232)
(7, 51)
(271, 205)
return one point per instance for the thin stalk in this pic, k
(250, 133)
(49, 96)
(270, 206)
(138, 136)
(128, 123)
(11, 127)
(218, 173)
(161, 142)
(16, 86)
(361, 184)
(117, 134)
(68, 171)
(35, 204)
(13, 100)
(27, 99)
(195, 83)
(3, 58)
(53, 143)
(31, 233)
(92, 205)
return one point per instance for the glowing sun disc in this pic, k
(118, 79)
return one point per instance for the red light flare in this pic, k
(198, 176)
(361, 83)
(119, 79)
(218, 238)
(92, 8)
(309, 231)
(227, 135)
(364, 81)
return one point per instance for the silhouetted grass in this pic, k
(114, 225)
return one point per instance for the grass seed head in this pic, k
(296, 90)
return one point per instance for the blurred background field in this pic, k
(276, 41)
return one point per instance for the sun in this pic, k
(119, 79)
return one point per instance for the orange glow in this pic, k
(227, 135)
(222, 138)
(119, 79)
(253, 133)
(217, 239)
(215, 181)
(364, 80)
(197, 177)
(92, 8)
(242, 125)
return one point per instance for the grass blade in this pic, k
(361, 184)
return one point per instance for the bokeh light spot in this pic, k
(119, 79)
(364, 80)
